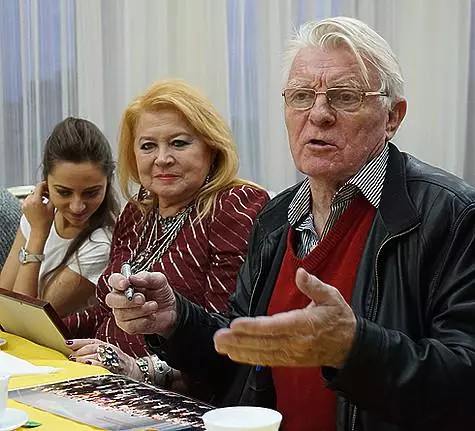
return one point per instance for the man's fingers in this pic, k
(118, 282)
(118, 300)
(149, 280)
(293, 321)
(140, 325)
(263, 351)
(227, 339)
(272, 359)
(145, 280)
(287, 323)
(125, 315)
(319, 292)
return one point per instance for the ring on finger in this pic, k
(108, 357)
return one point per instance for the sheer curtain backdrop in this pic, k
(89, 58)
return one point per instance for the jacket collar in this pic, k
(274, 215)
(396, 208)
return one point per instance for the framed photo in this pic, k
(33, 319)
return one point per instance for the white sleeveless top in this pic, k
(89, 261)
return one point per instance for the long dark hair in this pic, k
(77, 140)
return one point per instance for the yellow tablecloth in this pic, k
(40, 355)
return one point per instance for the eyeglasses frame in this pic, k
(363, 95)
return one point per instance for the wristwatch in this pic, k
(163, 372)
(24, 256)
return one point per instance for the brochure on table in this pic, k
(115, 403)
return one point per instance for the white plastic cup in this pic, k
(242, 418)
(4, 377)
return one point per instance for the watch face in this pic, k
(22, 255)
(25, 257)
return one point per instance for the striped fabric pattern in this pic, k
(201, 264)
(368, 181)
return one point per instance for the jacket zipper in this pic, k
(255, 285)
(375, 303)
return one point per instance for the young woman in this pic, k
(63, 243)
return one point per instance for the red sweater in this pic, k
(305, 403)
(201, 264)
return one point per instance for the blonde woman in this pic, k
(190, 219)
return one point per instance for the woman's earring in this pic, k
(144, 194)
(208, 177)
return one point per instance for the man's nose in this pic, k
(77, 205)
(321, 113)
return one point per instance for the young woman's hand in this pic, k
(39, 210)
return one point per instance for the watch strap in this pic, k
(25, 256)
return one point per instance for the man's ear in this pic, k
(395, 117)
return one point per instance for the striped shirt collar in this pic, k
(368, 180)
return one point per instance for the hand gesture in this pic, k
(152, 309)
(320, 334)
(88, 350)
(38, 211)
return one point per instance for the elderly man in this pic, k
(355, 308)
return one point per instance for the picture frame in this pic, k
(33, 319)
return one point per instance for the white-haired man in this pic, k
(355, 307)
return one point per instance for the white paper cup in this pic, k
(242, 418)
(4, 377)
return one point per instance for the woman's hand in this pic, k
(38, 211)
(88, 351)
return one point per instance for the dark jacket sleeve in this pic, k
(408, 381)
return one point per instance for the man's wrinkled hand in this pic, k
(320, 334)
(152, 309)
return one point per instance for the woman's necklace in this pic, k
(152, 243)
(167, 222)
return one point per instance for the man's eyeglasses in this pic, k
(339, 98)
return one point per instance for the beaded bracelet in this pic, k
(142, 363)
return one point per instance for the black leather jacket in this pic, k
(411, 366)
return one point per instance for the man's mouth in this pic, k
(318, 142)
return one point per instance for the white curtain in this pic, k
(90, 58)
(38, 81)
(469, 167)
